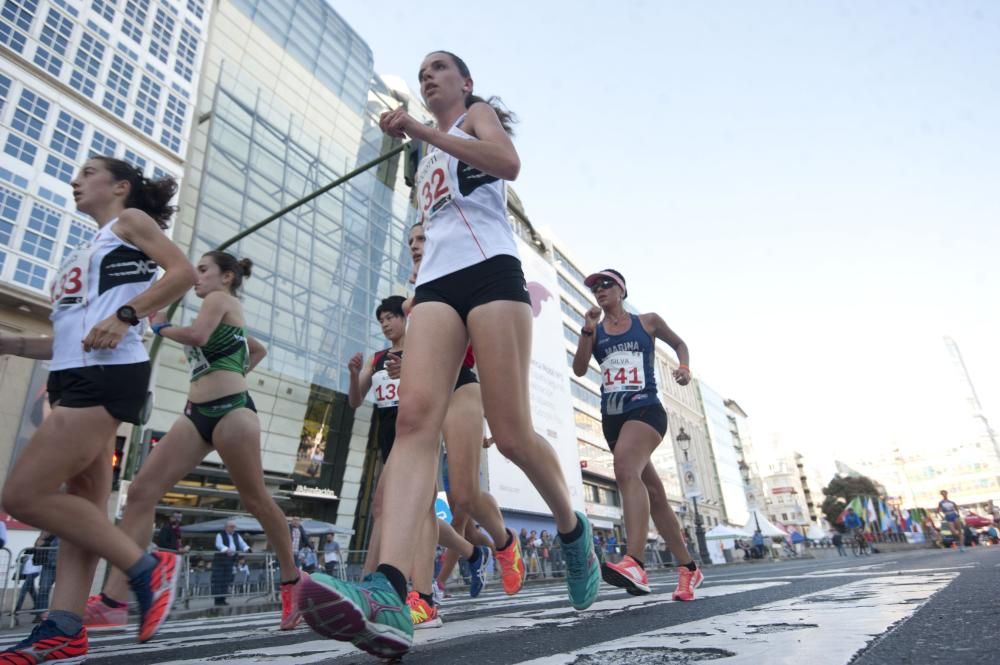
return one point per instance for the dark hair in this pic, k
(392, 305)
(507, 117)
(228, 263)
(150, 196)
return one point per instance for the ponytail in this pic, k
(151, 196)
(240, 268)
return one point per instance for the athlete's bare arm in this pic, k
(257, 351)
(585, 345)
(655, 325)
(213, 308)
(361, 379)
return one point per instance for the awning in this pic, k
(600, 523)
(245, 524)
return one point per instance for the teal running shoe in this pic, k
(583, 569)
(369, 615)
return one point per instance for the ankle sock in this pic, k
(396, 579)
(67, 622)
(144, 565)
(111, 602)
(476, 555)
(574, 534)
(508, 542)
(691, 565)
(291, 581)
(427, 598)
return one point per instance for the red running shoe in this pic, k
(290, 614)
(511, 566)
(627, 574)
(47, 644)
(155, 592)
(687, 582)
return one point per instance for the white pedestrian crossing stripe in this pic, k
(801, 624)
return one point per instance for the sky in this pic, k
(807, 192)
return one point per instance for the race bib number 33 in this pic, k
(434, 186)
(623, 372)
(69, 288)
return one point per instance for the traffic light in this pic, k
(116, 460)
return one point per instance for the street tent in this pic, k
(725, 532)
(245, 524)
(816, 532)
(759, 521)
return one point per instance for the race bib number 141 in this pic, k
(623, 372)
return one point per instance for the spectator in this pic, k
(758, 544)
(169, 536)
(307, 557)
(45, 554)
(227, 544)
(27, 574)
(299, 536)
(838, 542)
(523, 537)
(545, 546)
(331, 556)
(612, 546)
(556, 557)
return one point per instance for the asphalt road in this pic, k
(914, 607)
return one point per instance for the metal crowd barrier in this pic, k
(37, 586)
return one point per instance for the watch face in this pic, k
(126, 313)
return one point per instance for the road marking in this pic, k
(828, 626)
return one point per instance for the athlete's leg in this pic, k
(477, 537)
(65, 446)
(75, 566)
(237, 440)
(171, 459)
(501, 335)
(463, 434)
(636, 443)
(455, 542)
(435, 343)
(422, 574)
(663, 515)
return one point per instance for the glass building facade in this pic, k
(726, 454)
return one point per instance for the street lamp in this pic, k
(684, 442)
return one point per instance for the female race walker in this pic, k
(99, 376)
(219, 414)
(634, 424)
(470, 286)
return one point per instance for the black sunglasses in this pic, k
(602, 284)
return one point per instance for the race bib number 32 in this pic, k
(623, 372)
(69, 288)
(434, 187)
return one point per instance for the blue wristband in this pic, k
(157, 327)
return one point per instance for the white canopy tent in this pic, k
(726, 532)
(758, 520)
(816, 532)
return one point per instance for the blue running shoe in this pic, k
(369, 615)
(477, 572)
(583, 569)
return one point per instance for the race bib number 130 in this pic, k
(434, 187)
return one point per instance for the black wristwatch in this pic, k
(585, 332)
(126, 313)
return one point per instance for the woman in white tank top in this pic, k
(470, 287)
(99, 378)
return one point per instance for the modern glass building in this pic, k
(290, 102)
(79, 78)
(726, 453)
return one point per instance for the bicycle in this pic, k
(859, 546)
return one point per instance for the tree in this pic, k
(840, 491)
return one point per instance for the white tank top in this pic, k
(93, 282)
(464, 212)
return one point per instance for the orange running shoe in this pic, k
(511, 565)
(290, 615)
(98, 615)
(627, 574)
(47, 644)
(687, 582)
(423, 614)
(155, 592)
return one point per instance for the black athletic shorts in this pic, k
(465, 377)
(653, 415)
(497, 278)
(206, 415)
(121, 389)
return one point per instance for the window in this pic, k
(59, 168)
(574, 293)
(170, 140)
(17, 19)
(135, 11)
(56, 32)
(45, 220)
(135, 160)
(159, 174)
(102, 145)
(569, 267)
(48, 61)
(196, 7)
(29, 117)
(142, 122)
(586, 396)
(105, 9)
(569, 311)
(187, 49)
(21, 149)
(89, 54)
(51, 196)
(30, 274)
(10, 205)
(149, 95)
(159, 45)
(67, 135)
(37, 245)
(78, 234)
(82, 83)
(571, 335)
(120, 75)
(173, 117)
(114, 104)
(4, 90)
